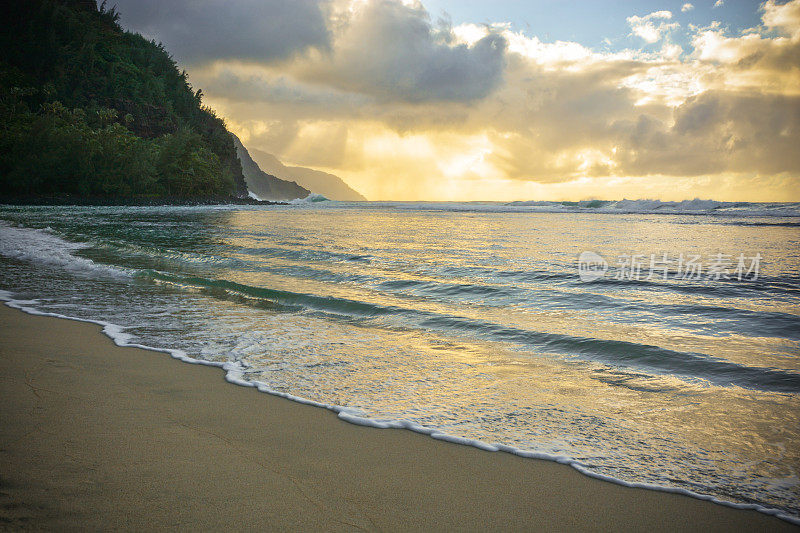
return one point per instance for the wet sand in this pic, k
(94, 436)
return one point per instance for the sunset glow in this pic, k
(414, 101)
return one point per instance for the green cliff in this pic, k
(90, 110)
(266, 186)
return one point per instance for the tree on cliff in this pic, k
(90, 109)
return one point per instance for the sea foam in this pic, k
(44, 247)
(297, 360)
(312, 198)
(234, 374)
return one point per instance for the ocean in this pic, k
(649, 343)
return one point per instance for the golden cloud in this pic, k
(401, 107)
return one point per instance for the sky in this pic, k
(505, 99)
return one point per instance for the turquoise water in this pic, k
(470, 321)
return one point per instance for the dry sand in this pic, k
(93, 436)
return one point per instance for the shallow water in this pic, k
(470, 320)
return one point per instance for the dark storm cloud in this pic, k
(198, 31)
(394, 52)
(718, 131)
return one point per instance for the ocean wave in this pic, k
(235, 374)
(44, 247)
(312, 198)
(655, 207)
(696, 206)
(689, 365)
(473, 327)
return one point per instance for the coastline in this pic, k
(98, 436)
(155, 201)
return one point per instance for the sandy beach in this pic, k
(93, 436)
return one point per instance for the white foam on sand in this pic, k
(234, 373)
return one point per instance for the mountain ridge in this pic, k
(328, 185)
(265, 186)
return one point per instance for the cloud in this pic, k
(207, 30)
(785, 17)
(757, 59)
(650, 27)
(392, 51)
(716, 132)
(404, 107)
(686, 7)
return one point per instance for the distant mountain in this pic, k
(330, 186)
(263, 185)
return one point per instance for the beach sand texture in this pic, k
(94, 436)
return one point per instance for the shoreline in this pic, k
(329, 475)
(113, 201)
